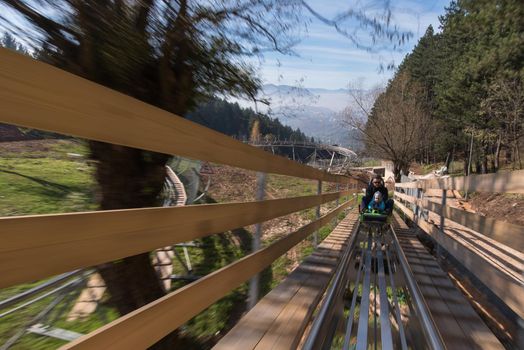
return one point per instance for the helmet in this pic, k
(377, 197)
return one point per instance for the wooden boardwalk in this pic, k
(460, 326)
(278, 320)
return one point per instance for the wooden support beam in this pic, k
(36, 95)
(38, 246)
(148, 324)
(506, 287)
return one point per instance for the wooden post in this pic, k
(418, 209)
(255, 244)
(337, 204)
(442, 219)
(469, 161)
(315, 234)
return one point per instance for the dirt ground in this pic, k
(505, 207)
(26, 146)
(230, 184)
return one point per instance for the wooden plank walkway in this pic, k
(460, 326)
(279, 319)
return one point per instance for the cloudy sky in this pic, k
(325, 58)
(328, 60)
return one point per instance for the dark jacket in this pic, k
(370, 191)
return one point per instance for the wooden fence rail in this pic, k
(498, 266)
(143, 327)
(43, 245)
(501, 231)
(36, 95)
(501, 182)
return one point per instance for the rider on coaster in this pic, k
(377, 203)
(377, 185)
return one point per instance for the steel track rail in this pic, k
(372, 256)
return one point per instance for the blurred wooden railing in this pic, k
(36, 95)
(492, 250)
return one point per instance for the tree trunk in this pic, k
(396, 171)
(130, 178)
(449, 158)
(517, 154)
(400, 167)
(484, 165)
(496, 161)
(484, 160)
(466, 161)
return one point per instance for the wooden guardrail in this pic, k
(502, 182)
(36, 95)
(49, 239)
(498, 259)
(145, 326)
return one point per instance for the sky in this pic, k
(326, 59)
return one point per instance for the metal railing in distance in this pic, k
(38, 289)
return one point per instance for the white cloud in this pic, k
(329, 60)
(325, 78)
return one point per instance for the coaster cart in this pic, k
(375, 220)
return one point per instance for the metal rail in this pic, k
(428, 324)
(76, 281)
(319, 327)
(376, 261)
(336, 149)
(37, 289)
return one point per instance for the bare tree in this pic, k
(392, 122)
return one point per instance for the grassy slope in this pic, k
(40, 177)
(43, 178)
(45, 182)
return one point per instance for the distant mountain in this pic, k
(285, 95)
(321, 123)
(272, 88)
(315, 111)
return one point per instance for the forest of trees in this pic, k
(462, 88)
(230, 119)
